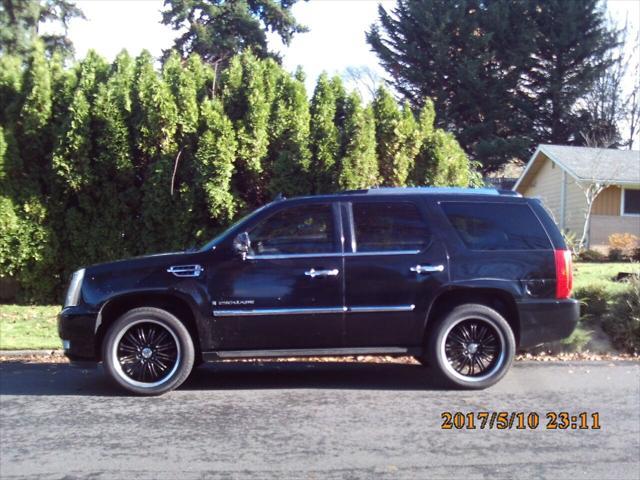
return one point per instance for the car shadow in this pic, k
(321, 375)
(22, 378)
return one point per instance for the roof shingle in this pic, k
(597, 164)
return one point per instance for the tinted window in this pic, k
(631, 202)
(496, 226)
(389, 226)
(303, 229)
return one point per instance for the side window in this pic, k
(391, 226)
(296, 230)
(631, 201)
(496, 226)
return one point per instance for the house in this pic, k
(559, 174)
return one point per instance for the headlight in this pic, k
(73, 293)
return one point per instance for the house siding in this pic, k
(576, 207)
(608, 202)
(604, 225)
(546, 185)
(544, 180)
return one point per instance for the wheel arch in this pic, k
(115, 307)
(499, 299)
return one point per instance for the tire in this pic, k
(148, 351)
(471, 347)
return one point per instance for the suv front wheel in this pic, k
(472, 346)
(148, 351)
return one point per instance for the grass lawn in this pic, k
(588, 274)
(28, 327)
(34, 327)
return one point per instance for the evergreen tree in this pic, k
(441, 161)
(504, 74)
(113, 233)
(214, 168)
(184, 89)
(203, 76)
(289, 143)
(34, 138)
(75, 181)
(218, 29)
(325, 137)
(358, 167)
(573, 47)
(121, 78)
(20, 21)
(245, 97)
(10, 88)
(396, 139)
(165, 212)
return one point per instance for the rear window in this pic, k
(496, 226)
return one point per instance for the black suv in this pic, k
(458, 278)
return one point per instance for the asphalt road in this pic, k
(313, 421)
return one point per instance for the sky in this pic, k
(335, 41)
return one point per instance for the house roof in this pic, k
(590, 164)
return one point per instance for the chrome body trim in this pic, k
(277, 311)
(292, 256)
(390, 252)
(382, 308)
(336, 254)
(309, 352)
(312, 311)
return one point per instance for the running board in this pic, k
(309, 352)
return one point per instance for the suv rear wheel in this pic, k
(148, 351)
(472, 346)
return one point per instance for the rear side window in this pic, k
(496, 226)
(393, 226)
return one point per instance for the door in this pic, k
(394, 267)
(288, 291)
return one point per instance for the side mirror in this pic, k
(242, 244)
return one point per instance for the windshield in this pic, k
(212, 243)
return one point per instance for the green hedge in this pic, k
(100, 161)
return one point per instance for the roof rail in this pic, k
(431, 191)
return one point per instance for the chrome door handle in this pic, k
(313, 273)
(427, 268)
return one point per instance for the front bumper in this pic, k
(547, 320)
(77, 327)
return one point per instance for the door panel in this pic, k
(387, 300)
(272, 303)
(390, 276)
(288, 292)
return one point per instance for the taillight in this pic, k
(564, 274)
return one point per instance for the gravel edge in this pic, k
(57, 356)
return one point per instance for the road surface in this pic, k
(315, 421)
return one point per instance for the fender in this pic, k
(475, 288)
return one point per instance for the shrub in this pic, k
(623, 322)
(594, 302)
(635, 256)
(625, 242)
(577, 341)
(591, 256)
(616, 255)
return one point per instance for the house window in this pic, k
(631, 201)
